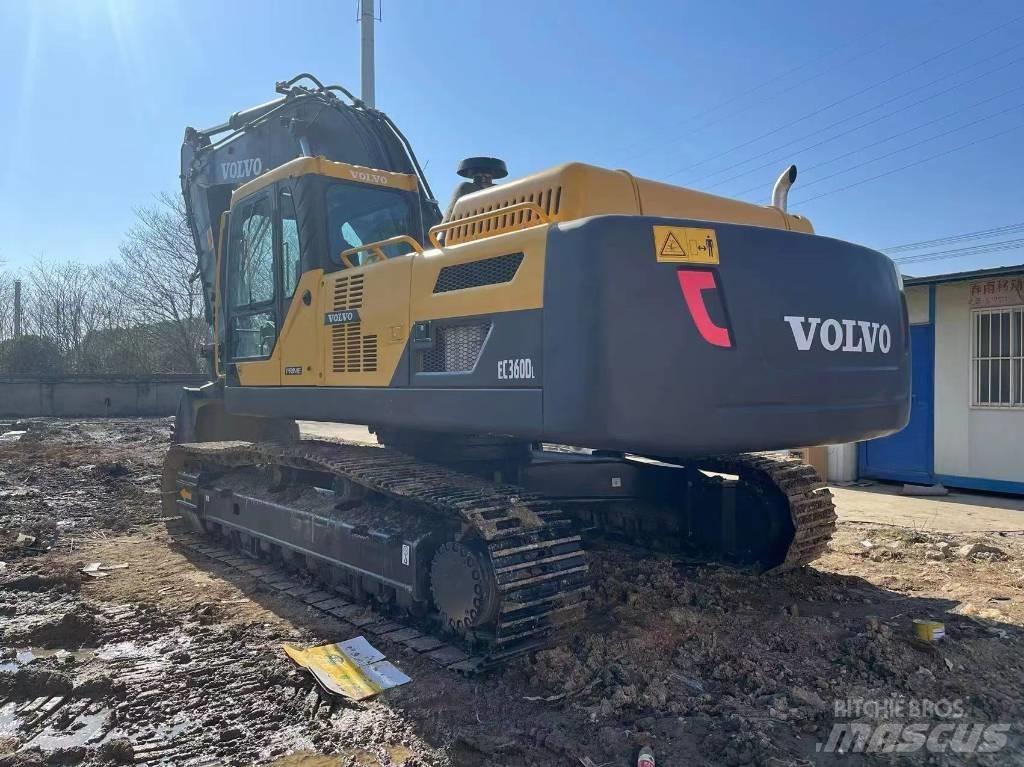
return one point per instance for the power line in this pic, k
(974, 250)
(916, 144)
(792, 86)
(820, 73)
(860, 114)
(747, 92)
(912, 164)
(818, 111)
(980, 234)
(897, 135)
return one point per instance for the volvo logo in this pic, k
(839, 335)
(239, 169)
(369, 178)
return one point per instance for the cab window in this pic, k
(250, 280)
(358, 214)
(291, 262)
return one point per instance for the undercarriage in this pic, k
(486, 550)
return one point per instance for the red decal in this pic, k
(693, 284)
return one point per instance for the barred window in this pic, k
(997, 361)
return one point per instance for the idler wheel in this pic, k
(464, 588)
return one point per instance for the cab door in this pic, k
(250, 288)
(273, 335)
(299, 353)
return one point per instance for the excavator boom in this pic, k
(306, 120)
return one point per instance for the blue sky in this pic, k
(98, 93)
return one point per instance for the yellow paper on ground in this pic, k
(353, 668)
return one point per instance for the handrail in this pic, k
(532, 207)
(377, 248)
(216, 295)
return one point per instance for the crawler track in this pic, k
(361, 617)
(810, 503)
(537, 562)
(534, 557)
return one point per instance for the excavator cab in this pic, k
(287, 229)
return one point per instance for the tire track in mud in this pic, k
(186, 695)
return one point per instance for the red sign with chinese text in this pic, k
(998, 291)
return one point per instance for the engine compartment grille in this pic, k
(547, 198)
(456, 348)
(351, 350)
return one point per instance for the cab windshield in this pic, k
(358, 214)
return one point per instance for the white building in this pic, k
(967, 416)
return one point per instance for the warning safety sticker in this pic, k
(683, 244)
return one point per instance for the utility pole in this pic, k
(366, 19)
(17, 308)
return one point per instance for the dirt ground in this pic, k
(177, 660)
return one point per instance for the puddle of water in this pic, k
(170, 732)
(128, 650)
(309, 759)
(8, 720)
(84, 730)
(26, 655)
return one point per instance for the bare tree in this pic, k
(6, 305)
(154, 278)
(63, 304)
(140, 313)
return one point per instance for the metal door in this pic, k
(907, 455)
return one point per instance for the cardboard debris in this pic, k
(100, 570)
(353, 668)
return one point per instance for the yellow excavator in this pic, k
(575, 354)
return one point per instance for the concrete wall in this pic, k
(82, 396)
(976, 442)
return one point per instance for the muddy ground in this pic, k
(177, 659)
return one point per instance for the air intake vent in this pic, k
(456, 348)
(486, 271)
(351, 351)
(548, 199)
(348, 293)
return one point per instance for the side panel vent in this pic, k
(486, 271)
(456, 348)
(348, 293)
(351, 351)
(370, 354)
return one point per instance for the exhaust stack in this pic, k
(780, 192)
